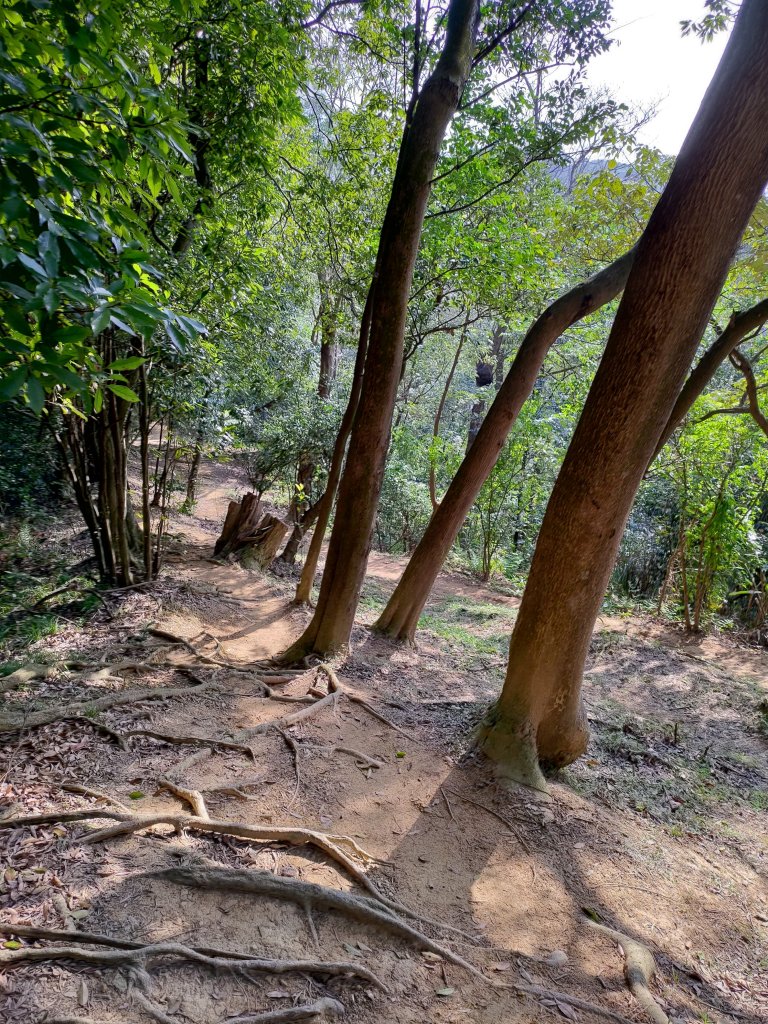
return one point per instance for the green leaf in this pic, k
(11, 385)
(35, 395)
(11, 944)
(131, 363)
(123, 392)
(136, 794)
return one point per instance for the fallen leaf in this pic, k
(445, 992)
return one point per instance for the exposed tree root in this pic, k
(309, 894)
(193, 797)
(354, 698)
(323, 1009)
(34, 719)
(97, 794)
(494, 813)
(562, 997)
(138, 953)
(639, 969)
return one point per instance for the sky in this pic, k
(651, 62)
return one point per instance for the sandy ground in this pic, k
(660, 831)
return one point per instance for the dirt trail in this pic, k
(660, 831)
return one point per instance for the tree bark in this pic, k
(439, 416)
(404, 607)
(679, 269)
(360, 487)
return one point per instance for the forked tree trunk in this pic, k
(360, 487)
(404, 607)
(681, 262)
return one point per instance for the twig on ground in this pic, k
(447, 804)
(296, 750)
(496, 814)
(562, 997)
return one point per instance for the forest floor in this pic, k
(660, 832)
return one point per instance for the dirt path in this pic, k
(660, 831)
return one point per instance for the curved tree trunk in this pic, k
(404, 607)
(681, 262)
(360, 487)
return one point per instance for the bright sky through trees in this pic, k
(653, 62)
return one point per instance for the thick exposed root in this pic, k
(313, 896)
(539, 992)
(121, 952)
(33, 719)
(323, 1009)
(639, 969)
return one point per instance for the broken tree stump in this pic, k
(254, 538)
(239, 525)
(263, 548)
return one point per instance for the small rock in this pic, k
(557, 958)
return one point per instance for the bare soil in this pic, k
(660, 831)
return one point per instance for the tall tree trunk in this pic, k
(681, 262)
(194, 467)
(404, 607)
(360, 487)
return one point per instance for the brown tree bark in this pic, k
(439, 416)
(681, 262)
(404, 607)
(360, 486)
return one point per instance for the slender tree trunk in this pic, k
(681, 262)
(327, 322)
(439, 416)
(325, 504)
(404, 607)
(360, 487)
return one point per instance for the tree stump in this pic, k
(253, 538)
(239, 525)
(265, 543)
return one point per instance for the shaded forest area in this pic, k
(359, 358)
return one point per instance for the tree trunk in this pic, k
(194, 468)
(404, 607)
(328, 362)
(681, 262)
(360, 487)
(439, 416)
(325, 504)
(239, 525)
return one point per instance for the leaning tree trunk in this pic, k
(404, 607)
(360, 487)
(681, 262)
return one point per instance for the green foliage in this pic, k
(86, 138)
